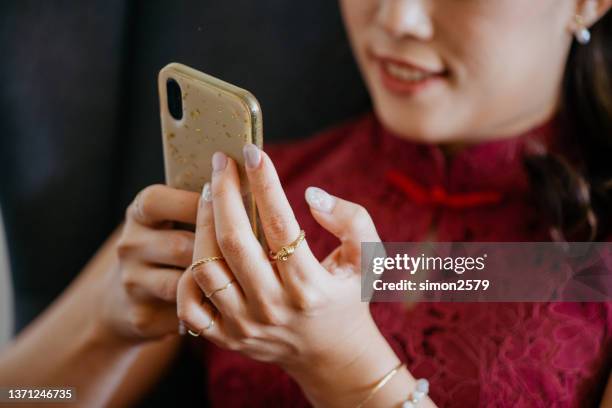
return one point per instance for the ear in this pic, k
(588, 12)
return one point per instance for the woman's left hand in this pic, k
(298, 313)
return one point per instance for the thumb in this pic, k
(349, 222)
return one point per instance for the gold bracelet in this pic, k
(380, 384)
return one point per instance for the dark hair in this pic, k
(577, 195)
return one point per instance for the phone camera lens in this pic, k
(175, 99)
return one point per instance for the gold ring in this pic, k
(204, 261)
(227, 285)
(286, 251)
(211, 324)
(194, 334)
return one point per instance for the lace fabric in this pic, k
(473, 354)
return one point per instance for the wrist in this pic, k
(345, 377)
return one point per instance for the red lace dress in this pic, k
(475, 354)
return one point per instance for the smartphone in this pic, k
(201, 114)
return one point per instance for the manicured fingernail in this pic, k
(206, 193)
(219, 161)
(252, 155)
(182, 330)
(320, 200)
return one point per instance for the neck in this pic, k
(450, 149)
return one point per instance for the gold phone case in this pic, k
(217, 116)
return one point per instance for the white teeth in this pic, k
(405, 73)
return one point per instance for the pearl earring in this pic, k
(583, 35)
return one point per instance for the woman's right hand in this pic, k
(98, 335)
(151, 257)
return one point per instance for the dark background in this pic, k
(79, 121)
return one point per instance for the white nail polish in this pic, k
(182, 330)
(320, 200)
(206, 193)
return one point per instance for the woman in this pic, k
(468, 96)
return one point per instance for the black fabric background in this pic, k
(79, 122)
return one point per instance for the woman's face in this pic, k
(449, 71)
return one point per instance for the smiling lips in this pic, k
(404, 78)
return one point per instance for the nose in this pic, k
(401, 18)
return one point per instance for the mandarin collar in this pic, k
(495, 165)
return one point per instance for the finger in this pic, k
(159, 203)
(219, 283)
(165, 321)
(197, 315)
(158, 283)
(349, 222)
(236, 239)
(278, 221)
(147, 320)
(215, 274)
(162, 247)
